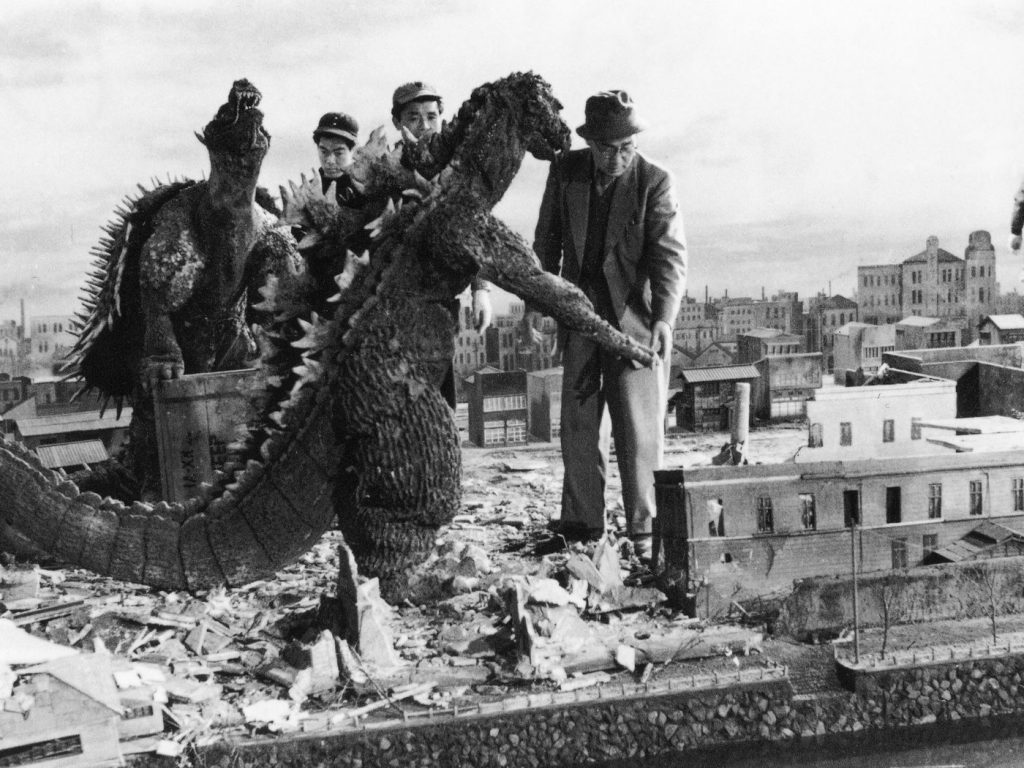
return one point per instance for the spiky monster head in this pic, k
(237, 131)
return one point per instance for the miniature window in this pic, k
(899, 553)
(888, 431)
(808, 514)
(929, 543)
(716, 519)
(815, 438)
(915, 428)
(845, 433)
(893, 505)
(1018, 494)
(765, 516)
(976, 498)
(934, 501)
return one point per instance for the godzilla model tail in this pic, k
(273, 512)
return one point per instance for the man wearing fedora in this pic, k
(417, 107)
(609, 222)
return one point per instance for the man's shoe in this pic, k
(567, 535)
(574, 531)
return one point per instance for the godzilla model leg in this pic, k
(402, 464)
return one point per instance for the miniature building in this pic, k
(782, 312)
(761, 342)
(544, 393)
(826, 314)
(12, 391)
(876, 421)
(705, 396)
(989, 379)
(932, 283)
(917, 332)
(72, 722)
(751, 530)
(718, 353)
(73, 427)
(695, 334)
(785, 385)
(497, 407)
(1001, 329)
(71, 457)
(859, 346)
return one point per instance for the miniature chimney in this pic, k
(741, 414)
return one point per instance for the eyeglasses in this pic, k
(612, 150)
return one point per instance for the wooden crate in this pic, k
(196, 417)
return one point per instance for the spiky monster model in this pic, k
(358, 426)
(176, 276)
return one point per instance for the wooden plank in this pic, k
(196, 417)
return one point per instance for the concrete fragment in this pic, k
(626, 656)
(548, 591)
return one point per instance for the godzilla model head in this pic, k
(237, 128)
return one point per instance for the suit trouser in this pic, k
(596, 385)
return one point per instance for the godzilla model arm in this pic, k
(505, 259)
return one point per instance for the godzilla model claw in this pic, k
(159, 368)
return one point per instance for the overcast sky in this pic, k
(805, 137)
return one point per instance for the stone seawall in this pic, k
(612, 726)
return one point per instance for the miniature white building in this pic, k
(876, 421)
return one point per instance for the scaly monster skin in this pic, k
(357, 426)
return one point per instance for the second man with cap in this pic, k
(417, 106)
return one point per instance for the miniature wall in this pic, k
(954, 591)
(1000, 390)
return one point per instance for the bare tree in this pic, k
(983, 578)
(888, 592)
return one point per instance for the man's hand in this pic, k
(661, 340)
(529, 334)
(481, 310)
(1015, 243)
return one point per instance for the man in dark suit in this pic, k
(609, 222)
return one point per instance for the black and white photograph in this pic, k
(525, 384)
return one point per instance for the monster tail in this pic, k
(274, 511)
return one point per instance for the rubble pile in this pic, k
(485, 619)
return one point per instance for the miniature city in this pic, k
(841, 507)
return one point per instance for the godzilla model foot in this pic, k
(157, 368)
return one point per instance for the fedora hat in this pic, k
(610, 115)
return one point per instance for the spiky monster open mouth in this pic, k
(238, 125)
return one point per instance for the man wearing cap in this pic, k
(609, 222)
(335, 138)
(417, 107)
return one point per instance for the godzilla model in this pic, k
(175, 278)
(358, 425)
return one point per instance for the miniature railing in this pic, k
(609, 691)
(1006, 645)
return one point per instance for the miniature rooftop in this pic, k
(1006, 322)
(978, 425)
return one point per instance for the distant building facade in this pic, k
(932, 283)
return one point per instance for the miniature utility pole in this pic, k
(853, 567)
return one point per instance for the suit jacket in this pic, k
(645, 255)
